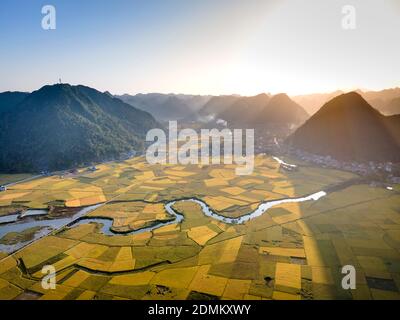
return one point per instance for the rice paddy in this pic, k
(293, 251)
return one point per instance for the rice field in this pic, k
(293, 251)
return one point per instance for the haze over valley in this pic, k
(221, 150)
(100, 127)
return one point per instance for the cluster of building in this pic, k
(384, 170)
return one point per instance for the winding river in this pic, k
(38, 218)
(280, 161)
(107, 223)
(32, 219)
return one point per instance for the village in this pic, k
(378, 172)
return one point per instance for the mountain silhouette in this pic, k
(348, 128)
(244, 110)
(280, 109)
(166, 107)
(258, 112)
(63, 126)
(392, 108)
(313, 102)
(9, 100)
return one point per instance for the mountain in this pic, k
(165, 107)
(253, 112)
(64, 126)
(281, 110)
(381, 100)
(394, 127)
(195, 102)
(9, 100)
(312, 102)
(383, 95)
(244, 110)
(377, 99)
(348, 128)
(217, 105)
(392, 108)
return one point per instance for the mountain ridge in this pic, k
(348, 128)
(166, 107)
(60, 126)
(10, 99)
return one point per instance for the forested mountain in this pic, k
(9, 100)
(62, 126)
(348, 128)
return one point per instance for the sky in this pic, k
(201, 46)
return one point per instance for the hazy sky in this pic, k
(201, 46)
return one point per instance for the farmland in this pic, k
(293, 251)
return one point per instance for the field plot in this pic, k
(13, 178)
(292, 251)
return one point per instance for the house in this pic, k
(3, 188)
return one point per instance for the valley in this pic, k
(124, 242)
(191, 151)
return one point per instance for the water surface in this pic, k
(35, 218)
(106, 227)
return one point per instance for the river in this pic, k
(207, 211)
(35, 218)
(32, 218)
